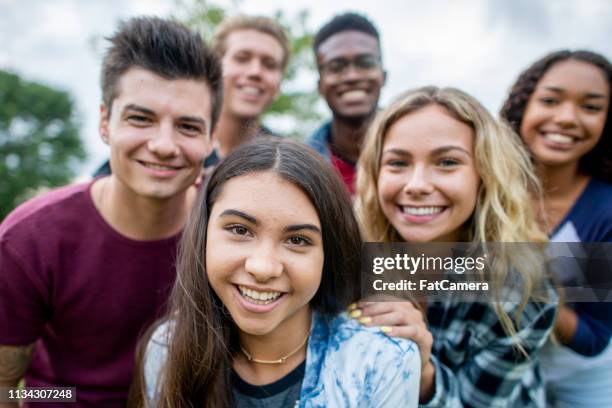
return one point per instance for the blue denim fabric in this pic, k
(319, 140)
(347, 365)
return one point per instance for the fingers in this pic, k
(377, 308)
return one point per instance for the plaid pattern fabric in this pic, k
(477, 363)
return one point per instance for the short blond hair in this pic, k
(262, 24)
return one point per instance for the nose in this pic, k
(352, 73)
(565, 115)
(418, 182)
(255, 67)
(162, 144)
(263, 264)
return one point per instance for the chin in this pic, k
(260, 329)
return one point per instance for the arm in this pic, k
(14, 361)
(491, 376)
(585, 328)
(494, 372)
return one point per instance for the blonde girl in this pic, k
(435, 166)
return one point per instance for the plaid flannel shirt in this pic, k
(476, 362)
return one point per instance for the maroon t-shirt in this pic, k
(81, 291)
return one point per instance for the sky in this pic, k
(479, 46)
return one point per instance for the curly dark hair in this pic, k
(597, 162)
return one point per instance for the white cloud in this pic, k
(477, 45)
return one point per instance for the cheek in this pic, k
(195, 149)
(468, 192)
(388, 186)
(597, 125)
(306, 271)
(274, 80)
(532, 118)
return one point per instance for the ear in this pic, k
(319, 85)
(384, 81)
(103, 125)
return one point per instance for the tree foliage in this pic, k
(294, 107)
(40, 145)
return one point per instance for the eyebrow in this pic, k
(588, 95)
(254, 221)
(297, 227)
(138, 108)
(439, 150)
(230, 212)
(147, 111)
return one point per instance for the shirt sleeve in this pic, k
(492, 375)
(24, 305)
(593, 332)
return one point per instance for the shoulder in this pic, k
(598, 196)
(360, 366)
(366, 345)
(592, 214)
(155, 358)
(47, 211)
(320, 137)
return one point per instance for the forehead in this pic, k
(178, 96)
(347, 44)
(576, 75)
(268, 197)
(427, 129)
(254, 41)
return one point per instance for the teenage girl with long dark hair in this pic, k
(268, 262)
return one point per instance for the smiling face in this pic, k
(158, 132)
(252, 72)
(264, 253)
(566, 113)
(428, 183)
(351, 92)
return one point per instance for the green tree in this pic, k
(40, 145)
(294, 107)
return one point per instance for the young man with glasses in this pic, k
(347, 50)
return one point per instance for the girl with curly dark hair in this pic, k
(560, 108)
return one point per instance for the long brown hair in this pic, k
(203, 337)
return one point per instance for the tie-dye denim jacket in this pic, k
(347, 365)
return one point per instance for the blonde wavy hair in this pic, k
(504, 210)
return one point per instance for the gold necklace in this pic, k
(280, 360)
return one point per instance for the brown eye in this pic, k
(299, 241)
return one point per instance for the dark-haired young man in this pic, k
(348, 55)
(85, 268)
(254, 52)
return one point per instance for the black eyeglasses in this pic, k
(337, 66)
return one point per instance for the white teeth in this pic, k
(354, 95)
(260, 298)
(158, 166)
(422, 210)
(558, 138)
(251, 90)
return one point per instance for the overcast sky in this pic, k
(479, 46)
